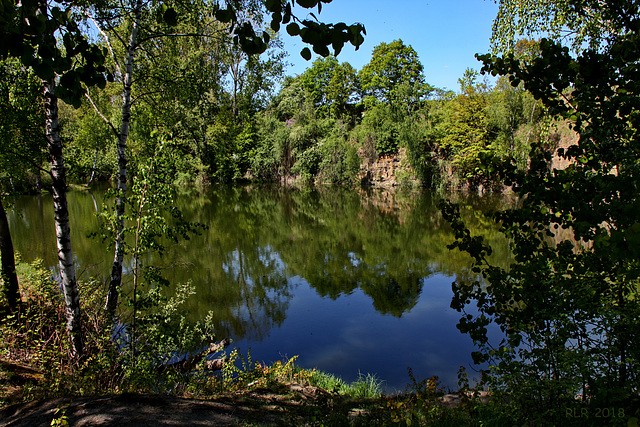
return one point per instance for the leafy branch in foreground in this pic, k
(568, 305)
(153, 223)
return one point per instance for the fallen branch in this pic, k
(192, 361)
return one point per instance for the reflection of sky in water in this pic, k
(355, 261)
(253, 266)
(347, 336)
(267, 256)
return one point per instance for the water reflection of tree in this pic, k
(393, 295)
(239, 280)
(338, 241)
(259, 237)
(35, 235)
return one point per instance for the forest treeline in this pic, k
(226, 116)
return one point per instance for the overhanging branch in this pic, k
(102, 116)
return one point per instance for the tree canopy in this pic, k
(394, 74)
(579, 24)
(331, 84)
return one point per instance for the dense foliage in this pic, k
(321, 125)
(218, 105)
(568, 305)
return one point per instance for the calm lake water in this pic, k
(351, 281)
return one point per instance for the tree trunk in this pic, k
(116, 271)
(93, 169)
(9, 277)
(63, 233)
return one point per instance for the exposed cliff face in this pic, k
(387, 170)
(394, 170)
(562, 137)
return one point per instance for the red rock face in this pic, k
(386, 170)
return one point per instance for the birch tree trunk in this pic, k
(93, 169)
(8, 271)
(63, 233)
(116, 271)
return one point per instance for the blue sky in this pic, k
(445, 33)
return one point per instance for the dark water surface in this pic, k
(351, 281)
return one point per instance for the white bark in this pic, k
(61, 211)
(93, 169)
(116, 271)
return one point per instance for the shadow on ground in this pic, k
(254, 408)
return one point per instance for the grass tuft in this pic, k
(365, 387)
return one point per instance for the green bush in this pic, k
(378, 126)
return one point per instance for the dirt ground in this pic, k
(300, 406)
(124, 411)
(137, 410)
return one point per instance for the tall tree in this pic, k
(29, 32)
(122, 135)
(343, 90)
(156, 21)
(465, 133)
(61, 211)
(252, 76)
(514, 121)
(11, 289)
(142, 26)
(569, 303)
(579, 24)
(331, 85)
(394, 75)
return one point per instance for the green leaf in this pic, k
(159, 17)
(170, 17)
(101, 81)
(308, 4)
(321, 49)
(276, 19)
(225, 15)
(273, 5)
(44, 71)
(27, 56)
(356, 38)
(306, 53)
(293, 29)
(337, 48)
